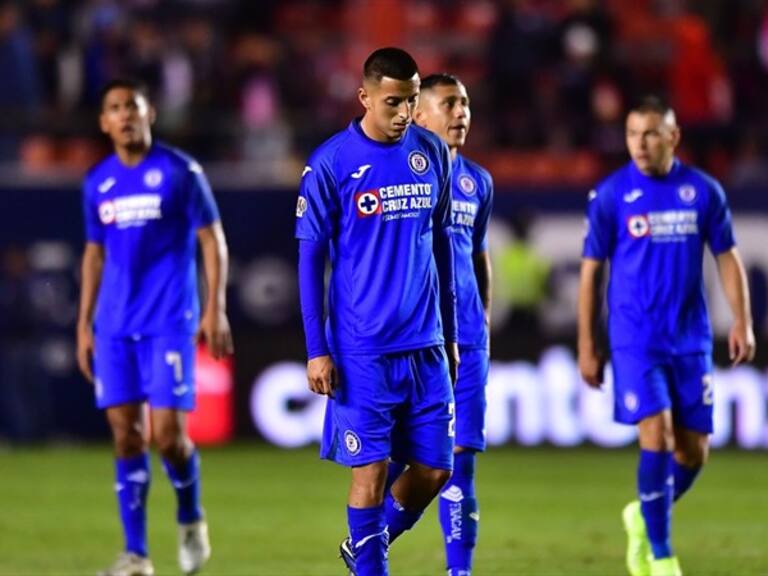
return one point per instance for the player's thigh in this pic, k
(116, 369)
(168, 371)
(693, 392)
(426, 431)
(641, 383)
(360, 417)
(470, 399)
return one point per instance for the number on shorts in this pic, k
(708, 397)
(173, 358)
(452, 423)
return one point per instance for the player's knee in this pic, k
(693, 456)
(437, 478)
(170, 442)
(129, 440)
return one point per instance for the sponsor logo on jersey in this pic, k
(418, 162)
(360, 171)
(153, 178)
(638, 226)
(134, 210)
(368, 203)
(352, 443)
(664, 226)
(467, 184)
(630, 197)
(301, 206)
(105, 186)
(464, 212)
(687, 193)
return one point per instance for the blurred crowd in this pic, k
(253, 86)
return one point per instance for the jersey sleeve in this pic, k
(94, 228)
(480, 233)
(600, 235)
(317, 204)
(443, 215)
(719, 231)
(202, 205)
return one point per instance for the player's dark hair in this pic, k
(651, 104)
(439, 79)
(390, 62)
(128, 83)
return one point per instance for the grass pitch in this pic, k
(543, 512)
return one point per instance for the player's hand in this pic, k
(452, 351)
(591, 366)
(322, 376)
(214, 329)
(85, 350)
(741, 344)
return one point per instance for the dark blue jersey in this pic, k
(146, 217)
(472, 200)
(378, 206)
(653, 231)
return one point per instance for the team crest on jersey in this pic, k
(352, 443)
(153, 178)
(301, 206)
(368, 203)
(687, 193)
(467, 184)
(638, 226)
(418, 162)
(107, 212)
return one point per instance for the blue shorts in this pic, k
(646, 383)
(155, 369)
(391, 405)
(470, 399)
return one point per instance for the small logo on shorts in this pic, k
(352, 443)
(631, 402)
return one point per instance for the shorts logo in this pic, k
(368, 203)
(107, 212)
(418, 163)
(352, 443)
(153, 178)
(631, 402)
(467, 184)
(638, 226)
(301, 206)
(687, 193)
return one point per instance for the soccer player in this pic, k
(145, 206)
(444, 109)
(652, 219)
(376, 198)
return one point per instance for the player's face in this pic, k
(126, 117)
(651, 141)
(389, 106)
(445, 111)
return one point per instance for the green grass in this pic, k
(283, 513)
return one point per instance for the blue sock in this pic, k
(370, 541)
(132, 486)
(459, 515)
(186, 481)
(394, 470)
(684, 478)
(398, 518)
(654, 483)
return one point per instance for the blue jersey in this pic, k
(472, 200)
(653, 230)
(146, 217)
(376, 205)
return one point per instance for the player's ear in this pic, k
(152, 115)
(419, 117)
(364, 98)
(103, 123)
(676, 135)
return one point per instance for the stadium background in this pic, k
(250, 88)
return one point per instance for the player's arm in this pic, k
(214, 326)
(321, 372)
(90, 272)
(741, 340)
(483, 273)
(591, 363)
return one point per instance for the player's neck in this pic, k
(133, 155)
(372, 132)
(454, 150)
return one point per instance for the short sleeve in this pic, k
(94, 228)
(202, 205)
(480, 234)
(317, 204)
(719, 230)
(600, 234)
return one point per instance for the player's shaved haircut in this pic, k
(128, 83)
(655, 105)
(439, 79)
(390, 62)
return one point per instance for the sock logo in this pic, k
(453, 494)
(352, 443)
